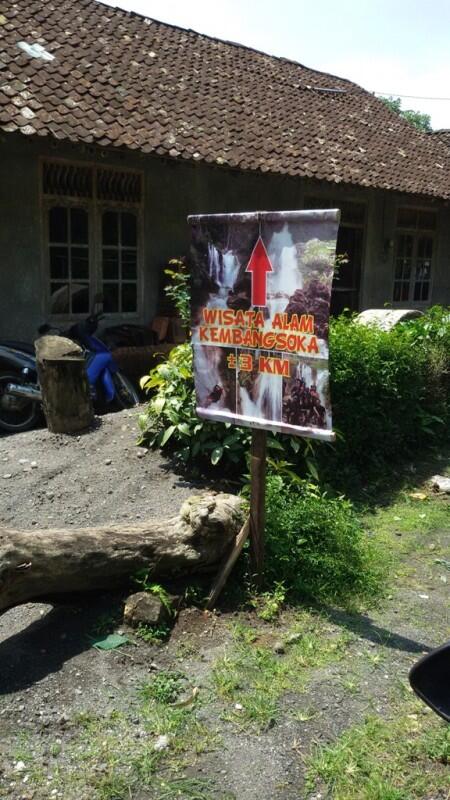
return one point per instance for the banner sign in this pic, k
(261, 287)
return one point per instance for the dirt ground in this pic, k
(50, 479)
(246, 715)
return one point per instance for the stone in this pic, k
(440, 483)
(143, 608)
(279, 648)
(162, 743)
(387, 318)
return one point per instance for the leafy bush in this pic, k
(389, 392)
(171, 416)
(317, 548)
(177, 289)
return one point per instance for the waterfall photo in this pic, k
(261, 288)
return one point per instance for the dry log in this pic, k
(62, 376)
(39, 563)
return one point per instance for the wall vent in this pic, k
(68, 180)
(121, 187)
(75, 180)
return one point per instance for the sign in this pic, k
(261, 288)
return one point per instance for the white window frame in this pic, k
(118, 207)
(95, 207)
(416, 232)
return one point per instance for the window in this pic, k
(119, 261)
(413, 255)
(92, 223)
(68, 242)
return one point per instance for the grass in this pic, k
(410, 518)
(251, 678)
(164, 688)
(403, 757)
(409, 529)
(153, 634)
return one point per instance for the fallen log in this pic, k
(36, 563)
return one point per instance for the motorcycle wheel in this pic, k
(126, 394)
(16, 414)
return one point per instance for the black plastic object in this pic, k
(430, 679)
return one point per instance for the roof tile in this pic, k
(127, 81)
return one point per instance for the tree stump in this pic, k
(66, 399)
(37, 563)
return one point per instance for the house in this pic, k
(113, 127)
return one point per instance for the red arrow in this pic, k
(259, 265)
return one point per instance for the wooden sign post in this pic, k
(257, 503)
(254, 524)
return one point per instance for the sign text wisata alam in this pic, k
(288, 333)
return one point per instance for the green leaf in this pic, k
(167, 434)
(216, 455)
(183, 427)
(158, 404)
(295, 444)
(274, 444)
(311, 467)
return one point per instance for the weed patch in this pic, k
(164, 688)
(317, 547)
(252, 678)
(400, 758)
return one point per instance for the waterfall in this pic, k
(223, 268)
(286, 276)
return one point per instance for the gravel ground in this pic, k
(51, 480)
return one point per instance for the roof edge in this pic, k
(231, 43)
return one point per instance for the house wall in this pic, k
(172, 190)
(440, 288)
(20, 275)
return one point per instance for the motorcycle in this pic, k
(20, 394)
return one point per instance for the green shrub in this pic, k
(389, 394)
(317, 548)
(171, 417)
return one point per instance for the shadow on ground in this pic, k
(46, 644)
(365, 628)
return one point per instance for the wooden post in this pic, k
(228, 565)
(257, 503)
(65, 390)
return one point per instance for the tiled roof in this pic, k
(86, 72)
(443, 135)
